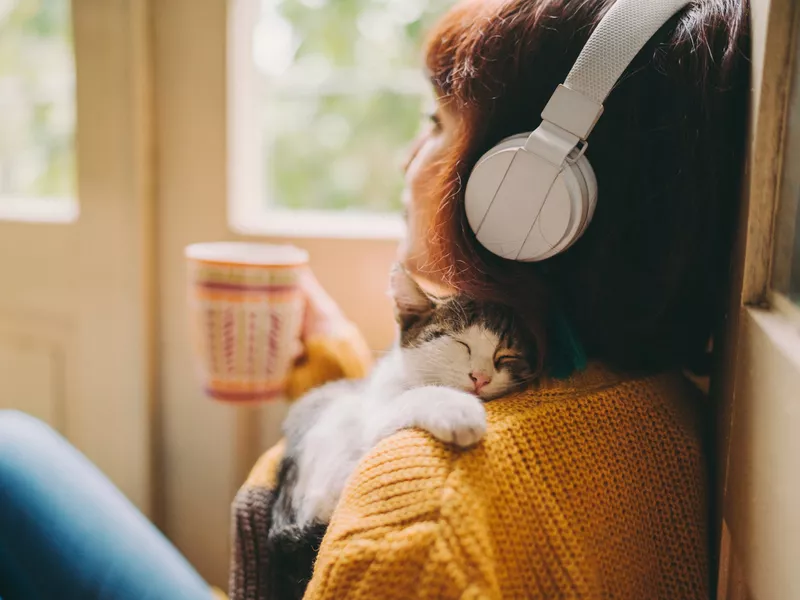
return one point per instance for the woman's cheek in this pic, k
(413, 152)
(421, 175)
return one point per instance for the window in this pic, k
(339, 91)
(37, 111)
(759, 411)
(786, 261)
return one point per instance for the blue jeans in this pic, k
(66, 532)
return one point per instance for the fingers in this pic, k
(322, 314)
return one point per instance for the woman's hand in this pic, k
(330, 346)
(323, 316)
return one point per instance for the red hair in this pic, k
(641, 287)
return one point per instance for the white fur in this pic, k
(427, 387)
(445, 361)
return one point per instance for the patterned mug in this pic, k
(246, 311)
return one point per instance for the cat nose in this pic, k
(480, 380)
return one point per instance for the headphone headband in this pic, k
(615, 42)
(577, 104)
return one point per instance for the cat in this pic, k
(453, 354)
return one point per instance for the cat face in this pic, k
(458, 342)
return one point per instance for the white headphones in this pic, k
(534, 194)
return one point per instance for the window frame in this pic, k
(758, 407)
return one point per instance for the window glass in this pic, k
(37, 103)
(341, 90)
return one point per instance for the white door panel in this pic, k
(75, 318)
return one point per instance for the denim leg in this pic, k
(67, 533)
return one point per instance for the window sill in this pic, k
(319, 224)
(780, 323)
(39, 210)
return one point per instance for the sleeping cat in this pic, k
(453, 354)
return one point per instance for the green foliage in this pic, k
(338, 118)
(338, 112)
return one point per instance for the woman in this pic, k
(594, 484)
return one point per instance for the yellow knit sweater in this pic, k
(594, 487)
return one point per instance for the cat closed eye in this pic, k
(469, 350)
(508, 360)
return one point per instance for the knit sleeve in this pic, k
(341, 354)
(249, 526)
(360, 568)
(391, 536)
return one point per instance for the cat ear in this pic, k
(411, 302)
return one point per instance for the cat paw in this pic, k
(449, 415)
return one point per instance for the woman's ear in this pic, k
(411, 302)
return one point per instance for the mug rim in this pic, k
(203, 252)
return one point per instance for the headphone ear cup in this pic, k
(589, 186)
(485, 180)
(584, 201)
(575, 200)
(590, 180)
(565, 209)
